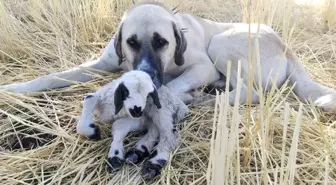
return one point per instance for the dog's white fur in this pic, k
(208, 42)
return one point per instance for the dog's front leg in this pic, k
(197, 75)
(107, 62)
(120, 129)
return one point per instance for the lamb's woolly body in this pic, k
(173, 111)
(170, 103)
(106, 100)
(97, 104)
(165, 119)
(160, 126)
(101, 103)
(159, 122)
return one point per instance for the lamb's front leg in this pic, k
(85, 125)
(144, 146)
(169, 140)
(120, 129)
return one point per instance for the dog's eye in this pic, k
(160, 42)
(133, 43)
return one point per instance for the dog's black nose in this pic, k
(136, 111)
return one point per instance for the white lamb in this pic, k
(125, 102)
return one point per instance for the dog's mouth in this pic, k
(157, 82)
(155, 76)
(152, 67)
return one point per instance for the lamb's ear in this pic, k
(120, 95)
(181, 45)
(155, 98)
(117, 44)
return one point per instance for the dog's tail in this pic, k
(306, 88)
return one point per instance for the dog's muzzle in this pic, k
(148, 67)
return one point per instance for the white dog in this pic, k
(160, 42)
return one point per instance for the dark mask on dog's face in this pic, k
(149, 40)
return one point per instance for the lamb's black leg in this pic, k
(169, 139)
(120, 129)
(144, 146)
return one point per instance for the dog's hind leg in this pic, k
(307, 89)
(277, 63)
(107, 62)
(209, 99)
(233, 45)
(219, 85)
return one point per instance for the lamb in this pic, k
(124, 97)
(125, 102)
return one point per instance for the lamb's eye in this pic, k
(133, 43)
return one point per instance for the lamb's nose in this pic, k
(136, 111)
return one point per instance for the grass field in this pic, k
(280, 141)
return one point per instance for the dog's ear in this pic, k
(120, 95)
(117, 44)
(155, 98)
(181, 45)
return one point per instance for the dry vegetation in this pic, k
(279, 141)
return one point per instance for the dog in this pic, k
(194, 52)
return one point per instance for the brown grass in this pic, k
(280, 141)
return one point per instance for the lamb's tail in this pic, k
(307, 89)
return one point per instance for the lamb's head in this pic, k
(132, 92)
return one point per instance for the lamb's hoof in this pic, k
(115, 163)
(96, 134)
(132, 157)
(151, 170)
(135, 156)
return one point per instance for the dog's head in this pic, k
(132, 92)
(149, 39)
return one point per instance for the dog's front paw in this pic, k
(152, 169)
(14, 88)
(90, 131)
(135, 156)
(327, 103)
(114, 163)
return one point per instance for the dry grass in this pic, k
(279, 141)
